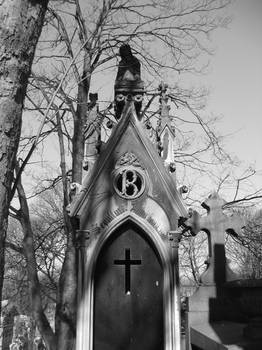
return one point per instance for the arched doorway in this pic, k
(128, 293)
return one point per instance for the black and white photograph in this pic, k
(130, 175)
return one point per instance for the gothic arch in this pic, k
(86, 294)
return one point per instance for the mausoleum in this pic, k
(130, 216)
(128, 211)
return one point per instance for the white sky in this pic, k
(235, 80)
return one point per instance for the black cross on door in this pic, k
(127, 263)
(128, 293)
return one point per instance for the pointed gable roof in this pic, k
(128, 136)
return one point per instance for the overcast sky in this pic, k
(235, 81)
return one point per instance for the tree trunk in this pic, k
(67, 291)
(66, 304)
(21, 22)
(66, 300)
(34, 284)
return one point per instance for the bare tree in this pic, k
(34, 266)
(193, 256)
(71, 53)
(21, 25)
(245, 249)
(179, 30)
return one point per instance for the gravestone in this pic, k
(212, 304)
(23, 333)
(9, 315)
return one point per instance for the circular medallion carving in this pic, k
(129, 183)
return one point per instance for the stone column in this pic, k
(174, 238)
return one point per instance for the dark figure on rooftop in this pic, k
(128, 64)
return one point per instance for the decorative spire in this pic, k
(166, 130)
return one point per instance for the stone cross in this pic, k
(215, 224)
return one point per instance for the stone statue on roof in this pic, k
(129, 66)
(128, 84)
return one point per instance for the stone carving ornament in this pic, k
(129, 180)
(129, 159)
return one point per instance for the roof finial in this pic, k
(166, 130)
